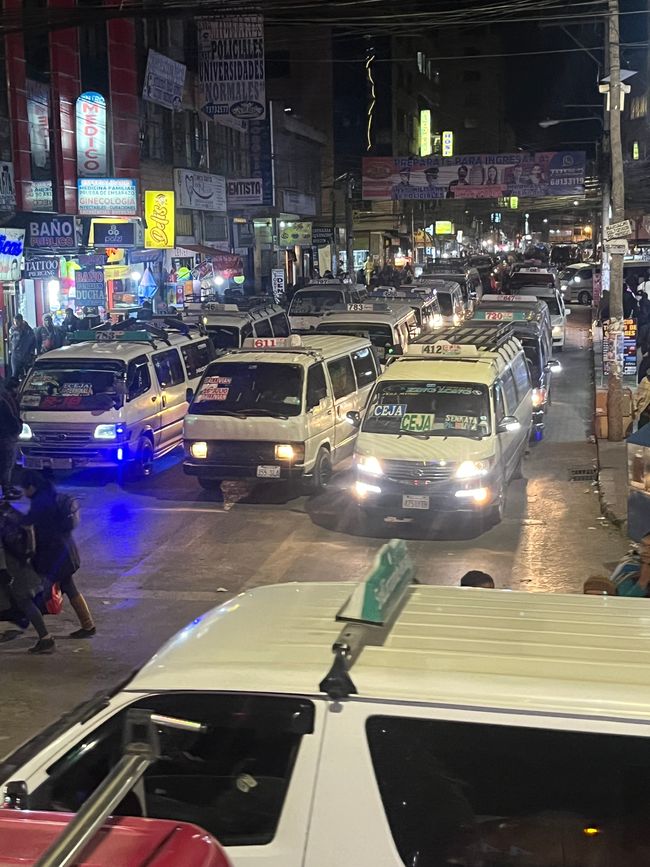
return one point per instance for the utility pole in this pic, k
(349, 225)
(616, 324)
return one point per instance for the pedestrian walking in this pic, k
(22, 346)
(20, 584)
(71, 323)
(53, 517)
(644, 285)
(48, 336)
(10, 428)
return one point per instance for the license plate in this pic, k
(410, 501)
(268, 472)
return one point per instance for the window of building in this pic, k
(422, 62)
(342, 376)
(231, 778)
(180, 138)
(639, 106)
(472, 99)
(168, 367)
(471, 76)
(184, 223)
(215, 227)
(156, 133)
(470, 793)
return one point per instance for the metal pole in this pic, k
(335, 241)
(93, 814)
(616, 325)
(605, 165)
(349, 226)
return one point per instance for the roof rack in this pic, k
(369, 614)
(486, 339)
(136, 331)
(142, 749)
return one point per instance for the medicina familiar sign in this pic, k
(91, 135)
(231, 66)
(117, 197)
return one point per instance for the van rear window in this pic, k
(504, 796)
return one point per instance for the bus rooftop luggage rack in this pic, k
(487, 338)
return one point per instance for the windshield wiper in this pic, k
(455, 432)
(227, 412)
(412, 433)
(270, 412)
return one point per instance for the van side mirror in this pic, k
(354, 418)
(394, 349)
(508, 424)
(554, 365)
(189, 395)
(567, 311)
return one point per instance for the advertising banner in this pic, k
(44, 268)
(38, 195)
(7, 187)
(295, 235)
(159, 217)
(164, 80)
(629, 348)
(244, 191)
(475, 176)
(321, 236)
(231, 66)
(90, 290)
(117, 197)
(91, 135)
(12, 243)
(111, 234)
(199, 191)
(38, 119)
(56, 232)
(261, 158)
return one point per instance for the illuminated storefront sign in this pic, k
(447, 143)
(159, 217)
(425, 132)
(91, 135)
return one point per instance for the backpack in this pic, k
(18, 540)
(67, 509)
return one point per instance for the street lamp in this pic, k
(545, 124)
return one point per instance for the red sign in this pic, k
(91, 135)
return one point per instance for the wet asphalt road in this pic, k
(156, 554)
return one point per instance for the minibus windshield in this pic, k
(85, 384)
(244, 388)
(433, 408)
(313, 301)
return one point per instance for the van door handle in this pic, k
(164, 400)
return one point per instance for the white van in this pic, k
(228, 325)
(322, 296)
(446, 427)
(439, 726)
(389, 327)
(557, 309)
(424, 302)
(450, 298)
(277, 409)
(112, 398)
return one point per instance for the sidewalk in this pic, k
(612, 457)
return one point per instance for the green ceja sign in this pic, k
(375, 600)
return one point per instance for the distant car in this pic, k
(577, 282)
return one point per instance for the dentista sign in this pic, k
(91, 135)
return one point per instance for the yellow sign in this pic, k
(444, 227)
(425, 132)
(296, 234)
(635, 150)
(159, 216)
(514, 201)
(447, 143)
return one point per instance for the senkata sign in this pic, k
(115, 197)
(55, 232)
(244, 191)
(12, 242)
(44, 268)
(159, 216)
(91, 135)
(231, 66)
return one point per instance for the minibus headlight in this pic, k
(369, 464)
(105, 432)
(26, 432)
(472, 469)
(199, 450)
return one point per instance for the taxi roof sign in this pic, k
(290, 342)
(502, 315)
(375, 600)
(110, 337)
(442, 349)
(506, 298)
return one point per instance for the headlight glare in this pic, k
(284, 452)
(199, 450)
(369, 464)
(26, 432)
(472, 469)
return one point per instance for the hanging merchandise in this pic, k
(147, 286)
